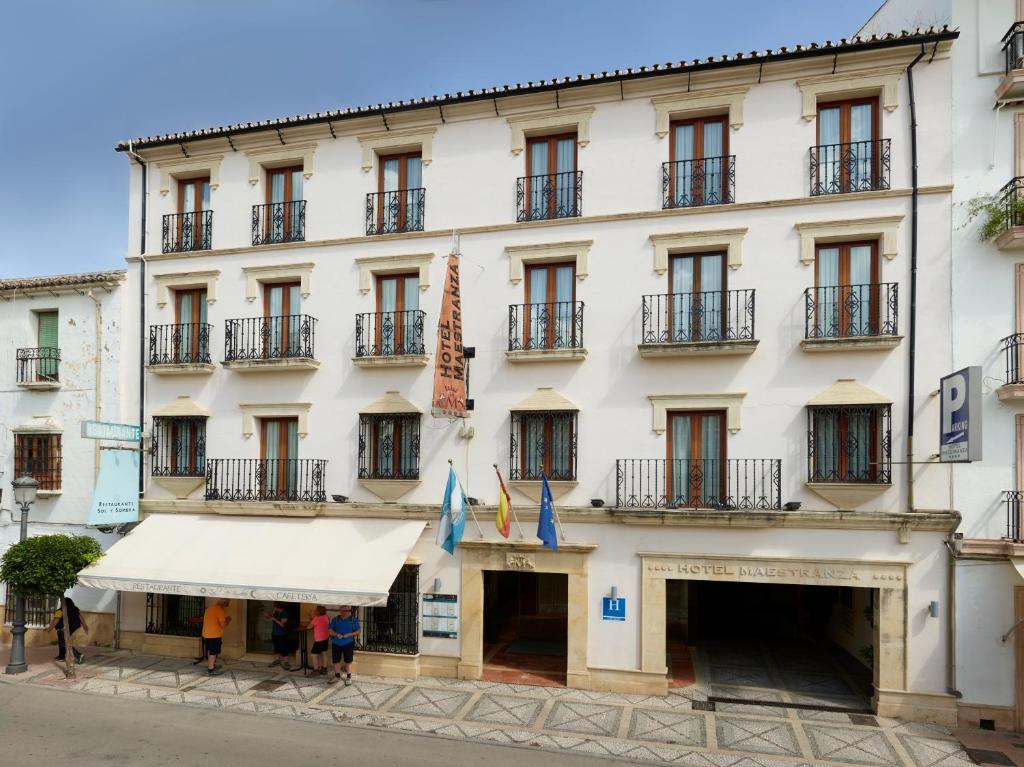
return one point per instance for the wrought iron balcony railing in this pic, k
(1013, 500)
(269, 338)
(859, 166)
(279, 222)
(557, 325)
(703, 181)
(1013, 354)
(182, 344)
(851, 311)
(390, 334)
(397, 211)
(553, 195)
(266, 479)
(183, 232)
(1013, 46)
(1011, 203)
(705, 483)
(682, 318)
(40, 365)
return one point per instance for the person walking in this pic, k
(344, 629)
(279, 636)
(214, 622)
(75, 622)
(320, 625)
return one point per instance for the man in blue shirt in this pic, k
(344, 630)
(279, 635)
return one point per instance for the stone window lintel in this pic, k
(189, 168)
(538, 123)
(694, 242)
(381, 142)
(699, 103)
(884, 80)
(885, 228)
(254, 275)
(276, 157)
(520, 255)
(370, 266)
(661, 404)
(186, 280)
(250, 412)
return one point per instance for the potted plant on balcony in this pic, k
(997, 213)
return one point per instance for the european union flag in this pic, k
(546, 522)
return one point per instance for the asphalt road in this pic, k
(41, 726)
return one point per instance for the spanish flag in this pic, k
(503, 519)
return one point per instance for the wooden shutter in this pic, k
(47, 330)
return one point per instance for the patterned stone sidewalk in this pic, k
(650, 729)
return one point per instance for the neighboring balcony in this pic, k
(851, 317)
(1013, 500)
(390, 339)
(395, 212)
(1004, 218)
(551, 332)
(279, 222)
(38, 369)
(181, 349)
(266, 479)
(1012, 350)
(859, 166)
(549, 196)
(183, 232)
(719, 322)
(729, 484)
(1012, 84)
(704, 181)
(259, 344)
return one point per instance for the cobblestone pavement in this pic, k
(651, 729)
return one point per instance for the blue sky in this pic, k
(76, 77)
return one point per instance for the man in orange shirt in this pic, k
(214, 623)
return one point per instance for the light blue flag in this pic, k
(116, 499)
(453, 514)
(546, 522)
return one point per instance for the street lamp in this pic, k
(24, 495)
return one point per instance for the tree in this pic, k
(49, 564)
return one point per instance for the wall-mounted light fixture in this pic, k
(437, 585)
(933, 609)
(615, 592)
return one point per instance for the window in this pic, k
(399, 324)
(38, 456)
(551, 183)
(174, 615)
(847, 156)
(49, 348)
(846, 301)
(279, 451)
(284, 217)
(697, 304)
(193, 222)
(191, 342)
(39, 610)
(282, 313)
(549, 320)
(393, 627)
(543, 441)
(179, 446)
(389, 446)
(399, 184)
(849, 444)
(696, 473)
(699, 169)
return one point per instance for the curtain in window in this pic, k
(564, 310)
(389, 202)
(272, 453)
(827, 294)
(183, 463)
(861, 309)
(713, 145)
(681, 300)
(538, 179)
(410, 314)
(186, 347)
(295, 211)
(205, 192)
(684, 147)
(385, 448)
(861, 149)
(408, 437)
(533, 447)
(711, 464)
(829, 154)
(389, 319)
(680, 469)
(294, 322)
(186, 227)
(708, 316)
(276, 213)
(561, 448)
(858, 445)
(566, 178)
(826, 446)
(413, 182)
(291, 472)
(276, 322)
(538, 312)
(202, 339)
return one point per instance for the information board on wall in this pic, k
(441, 616)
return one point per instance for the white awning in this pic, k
(320, 560)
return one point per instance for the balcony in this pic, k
(704, 181)
(551, 332)
(1012, 349)
(851, 318)
(1012, 84)
(180, 349)
(390, 339)
(1004, 217)
(279, 222)
(729, 484)
(258, 344)
(183, 232)
(1013, 500)
(266, 479)
(550, 196)
(395, 212)
(860, 166)
(719, 322)
(38, 369)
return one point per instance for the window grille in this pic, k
(389, 446)
(178, 447)
(39, 610)
(394, 628)
(38, 456)
(849, 444)
(174, 615)
(543, 441)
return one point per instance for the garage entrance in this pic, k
(525, 627)
(803, 645)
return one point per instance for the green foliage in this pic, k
(867, 653)
(48, 564)
(997, 214)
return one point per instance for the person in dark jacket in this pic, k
(75, 622)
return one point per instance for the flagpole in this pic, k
(512, 509)
(558, 520)
(472, 511)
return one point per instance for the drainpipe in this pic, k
(97, 364)
(142, 312)
(912, 334)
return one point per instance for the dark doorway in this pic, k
(258, 625)
(525, 627)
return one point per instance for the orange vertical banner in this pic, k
(449, 362)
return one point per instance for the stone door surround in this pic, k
(570, 559)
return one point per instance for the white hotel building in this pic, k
(687, 290)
